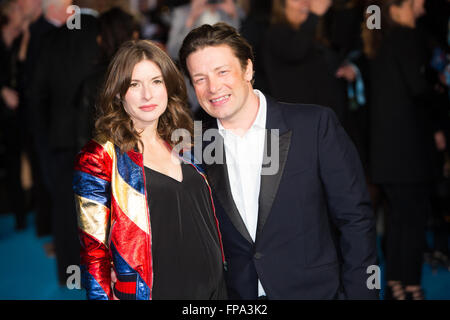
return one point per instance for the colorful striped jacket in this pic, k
(114, 221)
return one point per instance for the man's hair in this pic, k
(213, 36)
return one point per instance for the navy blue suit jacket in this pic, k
(316, 230)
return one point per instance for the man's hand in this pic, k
(439, 139)
(347, 72)
(11, 98)
(228, 7)
(319, 7)
(197, 8)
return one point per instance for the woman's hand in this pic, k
(319, 7)
(113, 283)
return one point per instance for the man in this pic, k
(44, 17)
(304, 232)
(67, 57)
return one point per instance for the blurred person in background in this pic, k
(198, 12)
(68, 56)
(11, 26)
(194, 14)
(116, 27)
(42, 17)
(432, 21)
(253, 29)
(401, 141)
(154, 19)
(299, 60)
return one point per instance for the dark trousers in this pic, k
(13, 166)
(64, 217)
(408, 209)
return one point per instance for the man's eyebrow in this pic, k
(215, 69)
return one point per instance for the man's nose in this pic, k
(214, 84)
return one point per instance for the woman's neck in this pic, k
(9, 34)
(149, 136)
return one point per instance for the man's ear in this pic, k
(249, 70)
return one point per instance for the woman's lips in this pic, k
(149, 107)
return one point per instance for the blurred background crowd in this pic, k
(388, 86)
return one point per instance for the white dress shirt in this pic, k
(244, 156)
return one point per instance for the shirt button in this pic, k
(258, 255)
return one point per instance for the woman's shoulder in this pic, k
(98, 147)
(399, 35)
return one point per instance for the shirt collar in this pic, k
(260, 120)
(89, 11)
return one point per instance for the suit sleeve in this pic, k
(348, 205)
(410, 59)
(92, 187)
(39, 94)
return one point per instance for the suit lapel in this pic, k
(218, 177)
(270, 183)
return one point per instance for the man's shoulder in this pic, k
(294, 112)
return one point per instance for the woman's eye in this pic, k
(133, 85)
(157, 81)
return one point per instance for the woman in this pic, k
(141, 207)
(401, 141)
(11, 122)
(299, 56)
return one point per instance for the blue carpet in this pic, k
(26, 273)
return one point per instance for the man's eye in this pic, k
(223, 72)
(199, 80)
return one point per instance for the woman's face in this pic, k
(15, 16)
(299, 6)
(404, 14)
(296, 11)
(146, 98)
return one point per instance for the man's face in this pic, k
(221, 84)
(29, 7)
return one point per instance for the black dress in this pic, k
(187, 259)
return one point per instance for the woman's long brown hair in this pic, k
(114, 123)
